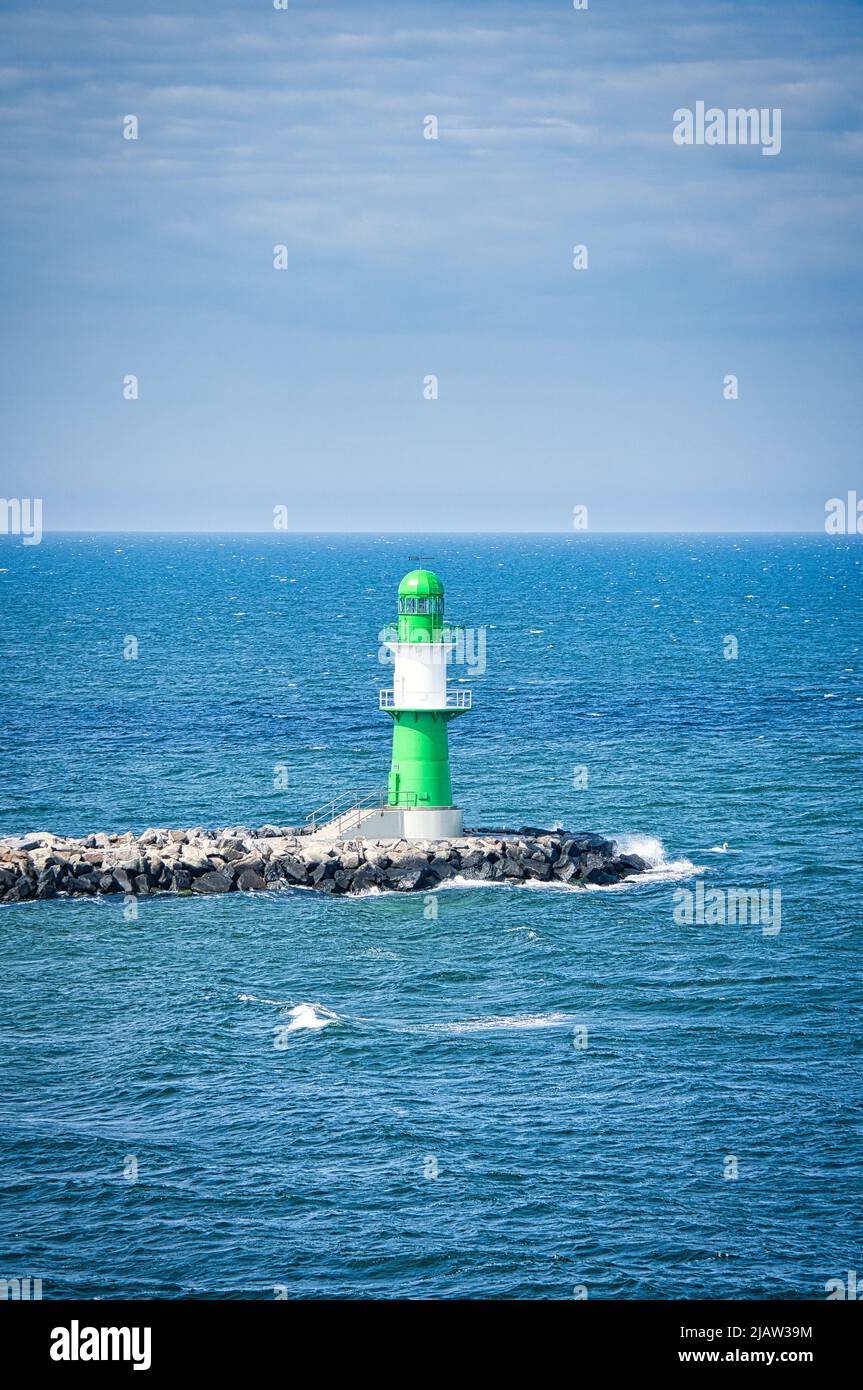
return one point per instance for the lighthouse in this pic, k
(422, 707)
(416, 803)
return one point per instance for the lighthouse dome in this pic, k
(421, 584)
(420, 607)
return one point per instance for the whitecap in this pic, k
(309, 1016)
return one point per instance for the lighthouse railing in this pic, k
(455, 699)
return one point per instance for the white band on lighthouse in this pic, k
(419, 674)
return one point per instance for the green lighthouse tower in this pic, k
(421, 707)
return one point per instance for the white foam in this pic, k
(302, 1016)
(659, 867)
(647, 847)
(312, 1016)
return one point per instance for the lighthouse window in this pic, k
(422, 605)
(408, 605)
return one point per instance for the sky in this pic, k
(410, 258)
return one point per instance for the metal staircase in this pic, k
(346, 812)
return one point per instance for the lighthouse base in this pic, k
(397, 823)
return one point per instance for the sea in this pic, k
(486, 1092)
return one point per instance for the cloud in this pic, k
(307, 127)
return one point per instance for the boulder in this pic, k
(249, 880)
(599, 876)
(20, 891)
(194, 860)
(215, 881)
(628, 864)
(367, 876)
(294, 868)
(152, 837)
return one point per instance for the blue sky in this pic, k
(410, 257)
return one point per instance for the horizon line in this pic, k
(284, 535)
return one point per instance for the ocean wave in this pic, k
(660, 869)
(302, 1016)
(309, 1016)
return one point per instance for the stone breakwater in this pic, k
(239, 859)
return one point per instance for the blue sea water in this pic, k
(488, 1092)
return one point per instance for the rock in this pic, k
(22, 890)
(39, 840)
(152, 837)
(251, 861)
(233, 849)
(367, 876)
(213, 882)
(123, 880)
(294, 868)
(628, 864)
(599, 876)
(411, 876)
(329, 885)
(194, 860)
(248, 880)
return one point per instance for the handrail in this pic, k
(343, 805)
(455, 699)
